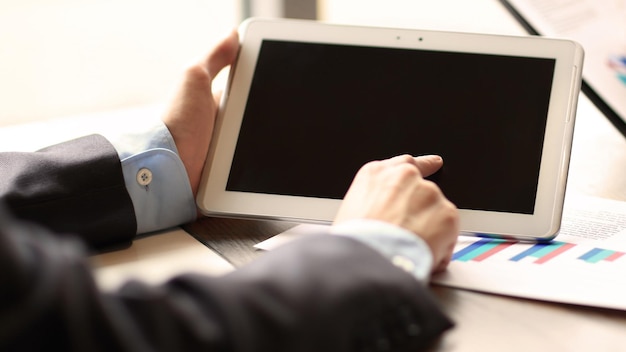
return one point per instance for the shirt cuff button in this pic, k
(144, 177)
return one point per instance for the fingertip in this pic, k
(430, 158)
(232, 38)
(229, 38)
(429, 164)
(435, 158)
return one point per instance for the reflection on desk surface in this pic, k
(156, 258)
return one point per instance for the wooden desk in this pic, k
(488, 322)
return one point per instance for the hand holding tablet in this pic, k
(309, 103)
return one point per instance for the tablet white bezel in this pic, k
(214, 200)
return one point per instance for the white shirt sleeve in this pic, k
(155, 178)
(402, 247)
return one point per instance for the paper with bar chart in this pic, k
(585, 264)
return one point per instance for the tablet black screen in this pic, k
(317, 112)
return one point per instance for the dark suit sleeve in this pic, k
(322, 293)
(76, 187)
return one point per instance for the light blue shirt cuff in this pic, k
(402, 247)
(155, 178)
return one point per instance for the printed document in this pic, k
(585, 264)
(600, 27)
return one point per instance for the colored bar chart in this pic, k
(618, 64)
(598, 254)
(540, 252)
(481, 250)
(543, 252)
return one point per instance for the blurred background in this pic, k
(69, 57)
(66, 57)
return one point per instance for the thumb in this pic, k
(223, 54)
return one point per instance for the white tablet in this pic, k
(309, 103)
